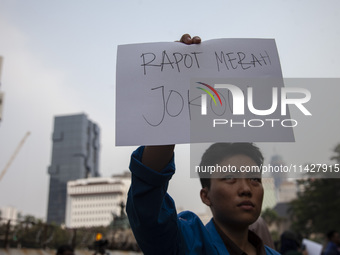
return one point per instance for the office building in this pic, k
(269, 198)
(96, 201)
(288, 191)
(75, 155)
(9, 213)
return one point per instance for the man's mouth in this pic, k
(246, 205)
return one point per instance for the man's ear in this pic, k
(204, 193)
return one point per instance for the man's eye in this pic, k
(229, 178)
(255, 179)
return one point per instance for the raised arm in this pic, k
(151, 211)
(157, 157)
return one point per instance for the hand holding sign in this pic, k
(186, 38)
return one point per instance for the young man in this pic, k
(235, 202)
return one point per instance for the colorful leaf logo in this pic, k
(209, 93)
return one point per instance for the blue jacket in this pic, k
(331, 249)
(154, 220)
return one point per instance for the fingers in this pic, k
(196, 40)
(186, 38)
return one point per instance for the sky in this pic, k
(59, 58)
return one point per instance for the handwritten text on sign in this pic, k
(178, 61)
(157, 101)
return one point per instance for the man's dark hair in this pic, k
(63, 248)
(331, 234)
(220, 151)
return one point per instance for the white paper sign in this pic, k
(312, 248)
(155, 100)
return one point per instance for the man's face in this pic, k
(336, 238)
(235, 201)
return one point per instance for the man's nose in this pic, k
(244, 188)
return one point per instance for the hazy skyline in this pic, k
(60, 59)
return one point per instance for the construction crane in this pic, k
(14, 155)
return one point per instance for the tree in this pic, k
(316, 210)
(337, 152)
(270, 216)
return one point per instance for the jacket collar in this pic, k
(217, 240)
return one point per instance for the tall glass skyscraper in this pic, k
(75, 155)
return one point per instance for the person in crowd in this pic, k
(261, 229)
(291, 244)
(332, 247)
